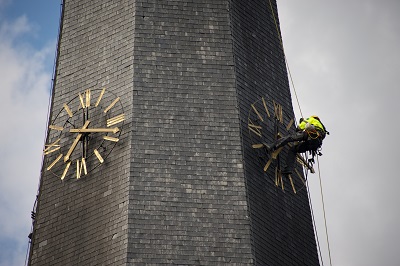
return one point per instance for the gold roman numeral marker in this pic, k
(67, 110)
(52, 147)
(56, 127)
(81, 101)
(254, 128)
(66, 170)
(265, 107)
(111, 105)
(87, 97)
(84, 166)
(290, 124)
(52, 150)
(54, 163)
(115, 120)
(292, 183)
(256, 111)
(78, 169)
(96, 152)
(257, 146)
(100, 96)
(80, 165)
(111, 138)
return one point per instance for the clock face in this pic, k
(83, 133)
(267, 122)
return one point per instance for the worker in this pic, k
(309, 134)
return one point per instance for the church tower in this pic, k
(151, 155)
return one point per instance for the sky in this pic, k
(28, 34)
(344, 62)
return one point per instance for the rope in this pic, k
(284, 56)
(323, 209)
(313, 219)
(319, 171)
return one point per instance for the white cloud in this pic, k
(24, 90)
(9, 31)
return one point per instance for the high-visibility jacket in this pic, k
(313, 120)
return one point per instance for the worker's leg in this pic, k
(291, 157)
(309, 145)
(299, 136)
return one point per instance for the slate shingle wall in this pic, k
(84, 222)
(282, 232)
(176, 189)
(187, 195)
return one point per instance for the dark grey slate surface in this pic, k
(183, 185)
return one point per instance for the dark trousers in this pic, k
(305, 144)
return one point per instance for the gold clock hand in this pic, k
(94, 130)
(71, 149)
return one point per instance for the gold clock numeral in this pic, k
(81, 101)
(78, 169)
(100, 96)
(289, 125)
(292, 183)
(65, 170)
(52, 147)
(67, 110)
(111, 105)
(278, 178)
(87, 97)
(54, 143)
(282, 185)
(115, 120)
(48, 151)
(84, 166)
(96, 152)
(54, 162)
(265, 107)
(256, 111)
(255, 128)
(56, 127)
(80, 165)
(111, 138)
(257, 146)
